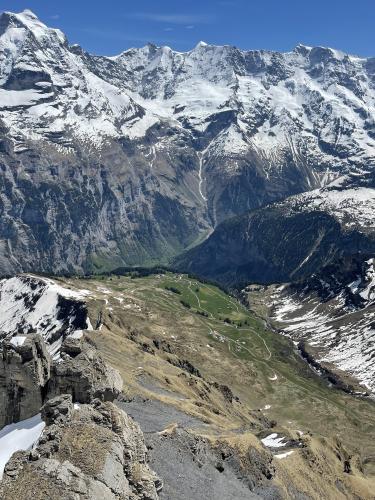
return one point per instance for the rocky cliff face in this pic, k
(130, 159)
(24, 373)
(89, 451)
(28, 376)
(286, 241)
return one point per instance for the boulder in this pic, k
(57, 409)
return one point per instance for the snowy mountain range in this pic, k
(110, 161)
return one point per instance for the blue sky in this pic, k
(109, 27)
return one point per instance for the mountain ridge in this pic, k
(155, 148)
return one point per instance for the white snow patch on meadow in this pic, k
(272, 441)
(283, 455)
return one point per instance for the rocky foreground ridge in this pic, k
(89, 448)
(207, 411)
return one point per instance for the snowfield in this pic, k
(351, 207)
(343, 335)
(282, 101)
(19, 437)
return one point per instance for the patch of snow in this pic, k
(78, 334)
(354, 206)
(17, 437)
(283, 455)
(272, 441)
(31, 304)
(341, 334)
(18, 340)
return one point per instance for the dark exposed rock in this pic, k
(57, 409)
(24, 373)
(226, 392)
(71, 346)
(163, 345)
(329, 375)
(185, 365)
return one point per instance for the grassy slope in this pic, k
(243, 354)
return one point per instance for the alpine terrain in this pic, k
(187, 271)
(131, 159)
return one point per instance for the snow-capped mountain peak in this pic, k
(233, 129)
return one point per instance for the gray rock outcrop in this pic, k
(83, 373)
(29, 377)
(24, 372)
(86, 452)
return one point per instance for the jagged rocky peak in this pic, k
(26, 27)
(27, 19)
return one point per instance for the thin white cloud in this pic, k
(190, 27)
(122, 36)
(55, 16)
(187, 19)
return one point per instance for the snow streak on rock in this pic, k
(336, 318)
(31, 304)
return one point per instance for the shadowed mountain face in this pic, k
(273, 245)
(291, 239)
(110, 161)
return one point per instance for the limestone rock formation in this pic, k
(28, 376)
(87, 452)
(83, 373)
(25, 367)
(92, 451)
